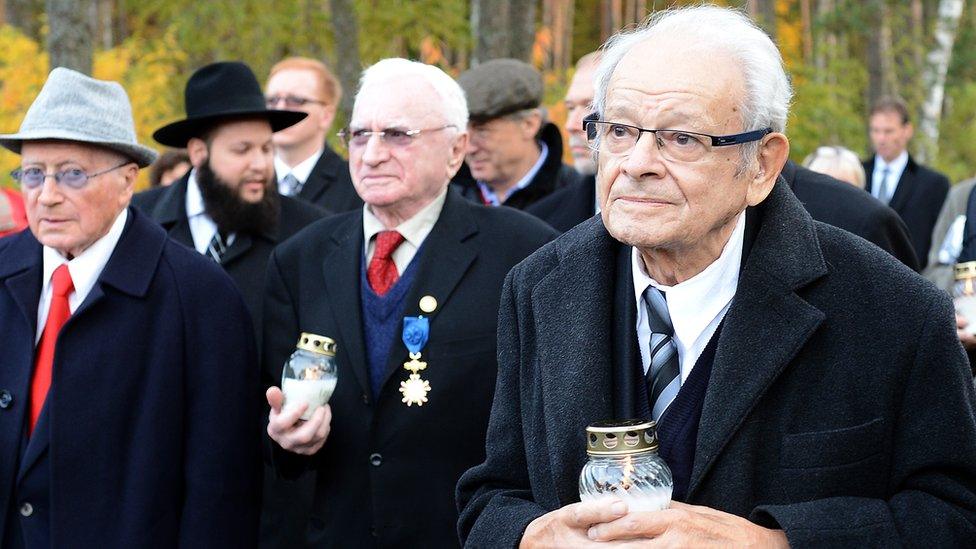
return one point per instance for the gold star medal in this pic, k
(416, 329)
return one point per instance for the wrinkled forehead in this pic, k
(404, 102)
(691, 77)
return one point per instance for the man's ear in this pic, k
(196, 148)
(531, 124)
(774, 150)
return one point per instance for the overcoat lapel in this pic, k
(577, 379)
(170, 212)
(340, 269)
(766, 325)
(448, 251)
(905, 188)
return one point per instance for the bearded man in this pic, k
(227, 207)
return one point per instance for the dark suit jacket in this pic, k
(840, 425)
(569, 206)
(552, 176)
(918, 199)
(329, 185)
(246, 260)
(842, 205)
(387, 472)
(153, 408)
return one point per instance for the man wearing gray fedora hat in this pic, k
(122, 423)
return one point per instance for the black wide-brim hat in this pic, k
(220, 91)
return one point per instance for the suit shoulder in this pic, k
(296, 214)
(317, 232)
(510, 222)
(860, 264)
(145, 200)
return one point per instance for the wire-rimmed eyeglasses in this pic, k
(396, 137)
(616, 139)
(75, 178)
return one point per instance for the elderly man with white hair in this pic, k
(415, 274)
(807, 388)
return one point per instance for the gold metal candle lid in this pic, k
(621, 438)
(317, 344)
(965, 270)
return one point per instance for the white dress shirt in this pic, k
(84, 270)
(301, 171)
(414, 231)
(696, 306)
(496, 200)
(202, 228)
(895, 168)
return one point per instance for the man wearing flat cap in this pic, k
(514, 156)
(228, 207)
(128, 370)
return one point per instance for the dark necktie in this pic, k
(663, 378)
(217, 247)
(57, 314)
(382, 272)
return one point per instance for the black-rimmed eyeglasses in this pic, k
(76, 178)
(396, 137)
(615, 138)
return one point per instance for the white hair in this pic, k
(452, 103)
(713, 29)
(837, 162)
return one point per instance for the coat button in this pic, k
(375, 460)
(6, 399)
(365, 399)
(26, 509)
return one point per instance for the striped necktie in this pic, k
(217, 247)
(663, 378)
(290, 185)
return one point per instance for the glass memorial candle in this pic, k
(624, 463)
(964, 292)
(310, 374)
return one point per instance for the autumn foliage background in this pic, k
(840, 53)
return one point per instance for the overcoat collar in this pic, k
(324, 173)
(576, 356)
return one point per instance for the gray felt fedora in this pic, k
(75, 107)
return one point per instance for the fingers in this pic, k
(642, 524)
(587, 513)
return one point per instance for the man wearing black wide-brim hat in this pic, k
(228, 207)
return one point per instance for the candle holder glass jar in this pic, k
(310, 374)
(964, 293)
(624, 463)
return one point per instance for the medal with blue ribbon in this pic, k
(416, 330)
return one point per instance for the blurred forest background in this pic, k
(841, 54)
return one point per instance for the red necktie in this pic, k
(57, 315)
(382, 272)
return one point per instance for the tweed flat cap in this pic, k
(75, 107)
(499, 87)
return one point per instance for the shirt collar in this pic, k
(301, 171)
(414, 230)
(895, 166)
(194, 200)
(522, 183)
(87, 266)
(694, 303)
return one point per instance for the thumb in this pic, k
(275, 399)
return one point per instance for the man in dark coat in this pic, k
(305, 166)
(128, 379)
(390, 445)
(514, 156)
(788, 417)
(227, 207)
(914, 191)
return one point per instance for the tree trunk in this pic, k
(347, 64)
(502, 28)
(24, 15)
(69, 40)
(764, 13)
(881, 77)
(106, 25)
(937, 65)
(807, 24)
